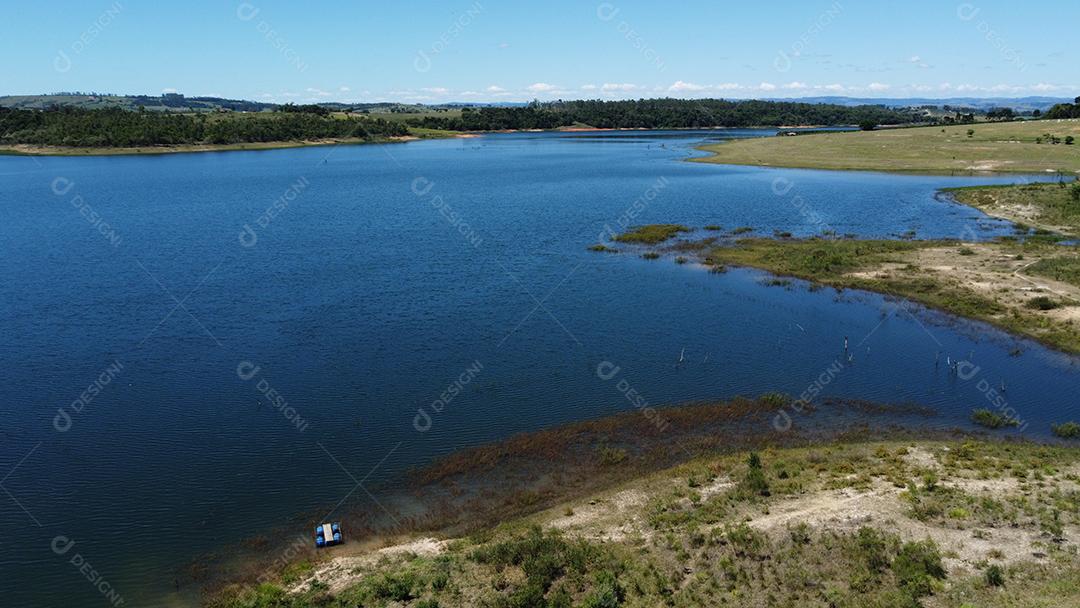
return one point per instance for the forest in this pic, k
(664, 114)
(1065, 110)
(115, 127)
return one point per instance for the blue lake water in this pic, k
(151, 303)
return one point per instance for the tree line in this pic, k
(116, 127)
(1065, 110)
(664, 114)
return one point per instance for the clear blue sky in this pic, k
(483, 50)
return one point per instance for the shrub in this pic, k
(872, 548)
(995, 576)
(650, 255)
(1042, 303)
(1074, 192)
(916, 565)
(1069, 139)
(608, 593)
(754, 482)
(867, 125)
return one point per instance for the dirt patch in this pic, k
(342, 572)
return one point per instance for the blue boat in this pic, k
(328, 535)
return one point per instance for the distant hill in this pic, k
(176, 102)
(1020, 104)
(173, 102)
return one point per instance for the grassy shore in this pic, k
(1030, 288)
(1002, 147)
(1044, 206)
(906, 523)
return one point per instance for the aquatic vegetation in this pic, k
(992, 420)
(602, 248)
(1066, 430)
(651, 234)
(650, 255)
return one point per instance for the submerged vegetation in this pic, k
(1066, 430)
(992, 420)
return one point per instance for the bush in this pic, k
(754, 482)
(1074, 192)
(916, 565)
(867, 125)
(995, 576)
(1042, 303)
(608, 593)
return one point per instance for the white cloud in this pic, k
(588, 87)
(835, 88)
(916, 60)
(767, 86)
(168, 90)
(436, 90)
(541, 87)
(795, 85)
(495, 89)
(1043, 87)
(680, 86)
(878, 86)
(344, 89)
(318, 92)
(610, 87)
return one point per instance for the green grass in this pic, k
(1006, 146)
(1064, 269)
(651, 234)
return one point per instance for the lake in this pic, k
(202, 347)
